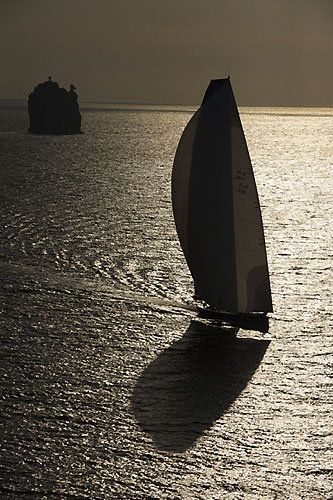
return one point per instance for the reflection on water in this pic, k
(192, 383)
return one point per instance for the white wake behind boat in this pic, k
(217, 212)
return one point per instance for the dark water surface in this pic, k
(111, 386)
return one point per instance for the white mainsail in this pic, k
(216, 207)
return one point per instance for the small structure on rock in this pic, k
(54, 110)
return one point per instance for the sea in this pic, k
(112, 387)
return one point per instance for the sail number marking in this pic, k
(241, 184)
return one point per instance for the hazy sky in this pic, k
(279, 52)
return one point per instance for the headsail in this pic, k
(216, 207)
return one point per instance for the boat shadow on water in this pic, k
(191, 384)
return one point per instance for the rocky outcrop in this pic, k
(54, 110)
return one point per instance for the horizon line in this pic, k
(25, 100)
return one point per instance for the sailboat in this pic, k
(217, 214)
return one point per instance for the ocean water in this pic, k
(111, 386)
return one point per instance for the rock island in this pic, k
(54, 110)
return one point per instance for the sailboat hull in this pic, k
(246, 321)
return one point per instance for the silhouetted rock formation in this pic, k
(54, 110)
